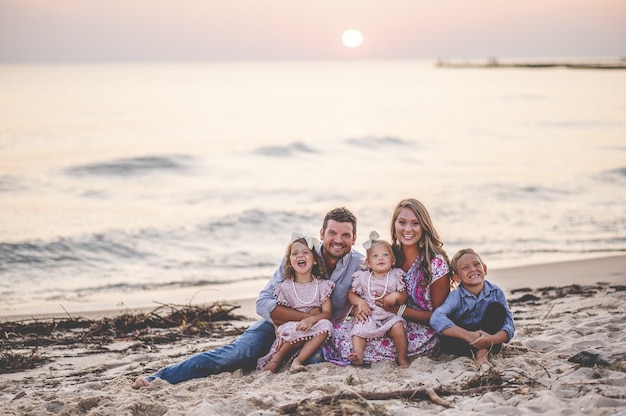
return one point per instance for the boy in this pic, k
(475, 319)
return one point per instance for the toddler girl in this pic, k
(379, 284)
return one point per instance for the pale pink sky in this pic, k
(161, 30)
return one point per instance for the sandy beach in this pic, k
(568, 357)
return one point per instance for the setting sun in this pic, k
(352, 38)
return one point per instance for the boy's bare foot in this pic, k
(483, 364)
(272, 366)
(355, 359)
(141, 382)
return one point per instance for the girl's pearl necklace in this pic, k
(369, 282)
(314, 296)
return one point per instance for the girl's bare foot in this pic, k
(355, 359)
(272, 366)
(297, 367)
(141, 382)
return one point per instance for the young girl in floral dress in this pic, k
(304, 291)
(380, 281)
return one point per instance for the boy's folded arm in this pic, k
(462, 333)
(439, 319)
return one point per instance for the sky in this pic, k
(201, 30)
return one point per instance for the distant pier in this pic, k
(572, 64)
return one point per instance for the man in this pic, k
(338, 235)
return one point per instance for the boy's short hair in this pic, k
(455, 259)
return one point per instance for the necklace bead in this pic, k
(314, 296)
(369, 283)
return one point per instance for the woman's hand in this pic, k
(389, 302)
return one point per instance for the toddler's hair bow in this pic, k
(312, 242)
(373, 237)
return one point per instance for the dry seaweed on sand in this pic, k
(10, 362)
(353, 403)
(552, 293)
(164, 324)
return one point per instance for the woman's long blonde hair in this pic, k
(430, 243)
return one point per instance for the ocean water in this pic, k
(124, 185)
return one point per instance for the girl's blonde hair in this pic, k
(378, 243)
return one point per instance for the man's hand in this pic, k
(315, 311)
(362, 311)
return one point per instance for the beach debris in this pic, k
(353, 403)
(524, 299)
(491, 377)
(358, 403)
(19, 395)
(164, 324)
(615, 362)
(588, 359)
(552, 292)
(11, 362)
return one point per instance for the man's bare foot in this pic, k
(403, 362)
(141, 382)
(272, 366)
(355, 359)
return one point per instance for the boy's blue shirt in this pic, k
(467, 310)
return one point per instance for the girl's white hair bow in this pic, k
(312, 242)
(372, 237)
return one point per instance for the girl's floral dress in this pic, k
(308, 296)
(422, 338)
(380, 321)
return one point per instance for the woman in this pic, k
(419, 253)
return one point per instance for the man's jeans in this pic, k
(242, 353)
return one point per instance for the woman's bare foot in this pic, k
(272, 366)
(355, 358)
(141, 382)
(403, 362)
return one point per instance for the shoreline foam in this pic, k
(611, 268)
